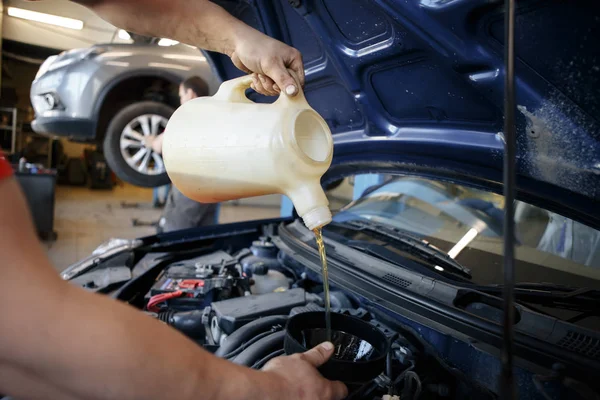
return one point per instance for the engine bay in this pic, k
(236, 303)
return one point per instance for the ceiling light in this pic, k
(124, 35)
(169, 66)
(45, 18)
(439, 268)
(167, 42)
(186, 57)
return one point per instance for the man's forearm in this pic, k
(95, 348)
(28, 386)
(137, 355)
(199, 23)
(90, 346)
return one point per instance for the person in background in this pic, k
(159, 201)
(58, 341)
(181, 212)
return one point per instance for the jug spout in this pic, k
(311, 204)
(317, 217)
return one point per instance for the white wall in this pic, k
(95, 30)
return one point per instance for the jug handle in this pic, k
(234, 91)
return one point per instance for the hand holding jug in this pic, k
(227, 147)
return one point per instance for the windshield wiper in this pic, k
(411, 242)
(582, 299)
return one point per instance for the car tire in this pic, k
(124, 148)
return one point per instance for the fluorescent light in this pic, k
(45, 18)
(463, 242)
(186, 57)
(439, 268)
(169, 66)
(124, 35)
(167, 42)
(111, 54)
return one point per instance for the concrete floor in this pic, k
(85, 218)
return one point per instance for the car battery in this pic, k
(185, 286)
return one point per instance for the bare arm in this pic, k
(198, 23)
(157, 143)
(58, 339)
(206, 25)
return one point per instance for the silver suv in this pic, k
(115, 95)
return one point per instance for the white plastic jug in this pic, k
(227, 147)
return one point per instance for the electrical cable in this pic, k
(159, 298)
(388, 370)
(507, 385)
(388, 364)
(403, 374)
(410, 377)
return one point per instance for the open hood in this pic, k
(418, 86)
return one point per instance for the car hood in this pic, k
(418, 86)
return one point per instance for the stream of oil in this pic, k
(319, 237)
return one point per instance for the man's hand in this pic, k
(298, 379)
(269, 62)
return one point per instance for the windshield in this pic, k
(466, 224)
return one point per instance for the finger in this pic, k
(318, 355)
(279, 73)
(267, 83)
(258, 86)
(339, 391)
(297, 65)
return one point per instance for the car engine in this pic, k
(236, 305)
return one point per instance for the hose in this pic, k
(247, 344)
(388, 363)
(248, 331)
(409, 378)
(257, 351)
(261, 363)
(187, 322)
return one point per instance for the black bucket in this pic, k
(360, 348)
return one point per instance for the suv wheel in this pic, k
(127, 143)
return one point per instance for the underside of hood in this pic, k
(421, 83)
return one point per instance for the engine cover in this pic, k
(234, 313)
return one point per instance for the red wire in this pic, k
(159, 298)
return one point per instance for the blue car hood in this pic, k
(409, 85)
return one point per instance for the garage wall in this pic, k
(18, 75)
(95, 30)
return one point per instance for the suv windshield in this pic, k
(466, 224)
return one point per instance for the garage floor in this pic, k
(85, 218)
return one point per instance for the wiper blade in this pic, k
(417, 245)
